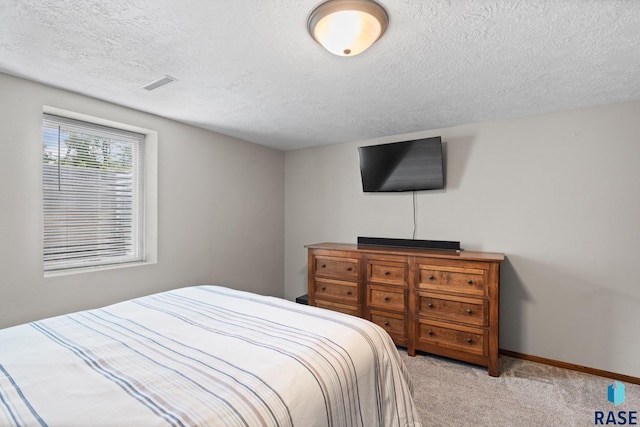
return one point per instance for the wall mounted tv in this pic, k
(402, 166)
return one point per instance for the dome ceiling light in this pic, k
(347, 27)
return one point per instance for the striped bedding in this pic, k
(203, 356)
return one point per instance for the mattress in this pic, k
(203, 356)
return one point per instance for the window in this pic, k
(93, 194)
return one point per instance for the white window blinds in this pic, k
(93, 194)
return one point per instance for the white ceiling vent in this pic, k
(162, 81)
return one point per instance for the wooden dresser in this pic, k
(439, 302)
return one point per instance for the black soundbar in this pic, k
(441, 245)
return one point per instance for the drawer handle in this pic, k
(431, 277)
(469, 311)
(386, 298)
(430, 305)
(323, 266)
(348, 292)
(323, 288)
(349, 269)
(386, 323)
(469, 340)
(470, 282)
(386, 273)
(430, 332)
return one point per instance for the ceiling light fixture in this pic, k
(347, 27)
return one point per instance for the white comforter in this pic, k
(203, 356)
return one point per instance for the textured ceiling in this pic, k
(248, 68)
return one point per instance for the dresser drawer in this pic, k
(385, 297)
(473, 311)
(394, 324)
(455, 337)
(336, 290)
(392, 273)
(452, 279)
(336, 267)
(342, 308)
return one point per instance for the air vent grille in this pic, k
(162, 81)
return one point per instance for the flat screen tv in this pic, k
(402, 166)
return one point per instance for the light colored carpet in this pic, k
(450, 393)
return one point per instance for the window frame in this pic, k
(149, 199)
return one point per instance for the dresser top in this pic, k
(466, 255)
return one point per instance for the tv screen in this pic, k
(402, 166)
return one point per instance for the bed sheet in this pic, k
(203, 356)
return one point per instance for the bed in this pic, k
(203, 356)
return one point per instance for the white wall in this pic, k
(559, 194)
(220, 211)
